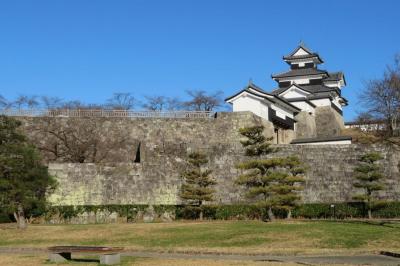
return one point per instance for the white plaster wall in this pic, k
(336, 103)
(304, 106)
(294, 93)
(297, 80)
(321, 102)
(301, 52)
(281, 112)
(252, 104)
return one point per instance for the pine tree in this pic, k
(368, 178)
(272, 183)
(259, 173)
(24, 181)
(197, 183)
(287, 185)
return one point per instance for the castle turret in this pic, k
(314, 92)
(305, 85)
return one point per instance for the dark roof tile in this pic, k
(300, 72)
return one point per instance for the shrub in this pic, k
(226, 212)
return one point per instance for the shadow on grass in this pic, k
(76, 260)
(384, 223)
(84, 260)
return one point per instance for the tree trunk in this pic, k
(201, 215)
(271, 215)
(20, 217)
(289, 214)
(369, 213)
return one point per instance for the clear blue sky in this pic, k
(87, 50)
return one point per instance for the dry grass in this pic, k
(241, 237)
(35, 260)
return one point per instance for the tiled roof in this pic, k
(300, 72)
(258, 89)
(306, 56)
(301, 46)
(309, 88)
(334, 76)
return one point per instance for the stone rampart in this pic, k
(156, 179)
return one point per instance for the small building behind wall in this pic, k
(276, 110)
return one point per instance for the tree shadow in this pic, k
(84, 260)
(385, 223)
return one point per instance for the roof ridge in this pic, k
(302, 46)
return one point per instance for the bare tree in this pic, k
(26, 101)
(78, 140)
(20, 101)
(3, 102)
(161, 103)
(382, 96)
(51, 102)
(121, 101)
(201, 101)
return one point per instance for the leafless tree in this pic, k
(161, 103)
(20, 101)
(365, 118)
(201, 101)
(78, 140)
(3, 102)
(26, 101)
(121, 101)
(51, 102)
(382, 97)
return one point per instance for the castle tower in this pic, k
(306, 108)
(315, 91)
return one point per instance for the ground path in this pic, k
(366, 259)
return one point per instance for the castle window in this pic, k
(309, 65)
(315, 81)
(284, 84)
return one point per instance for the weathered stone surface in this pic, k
(328, 122)
(164, 144)
(305, 126)
(167, 217)
(149, 215)
(157, 179)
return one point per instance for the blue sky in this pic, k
(89, 49)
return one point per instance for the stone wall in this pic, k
(305, 126)
(156, 179)
(328, 122)
(163, 144)
(162, 135)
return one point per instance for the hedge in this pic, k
(221, 212)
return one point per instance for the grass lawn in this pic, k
(277, 238)
(33, 260)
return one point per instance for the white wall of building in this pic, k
(300, 52)
(336, 103)
(304, 106)
(321, 102)
(248, 102)
(294, 92)
(282, 113)
(299, 80)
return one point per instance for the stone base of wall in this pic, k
(157, 179)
